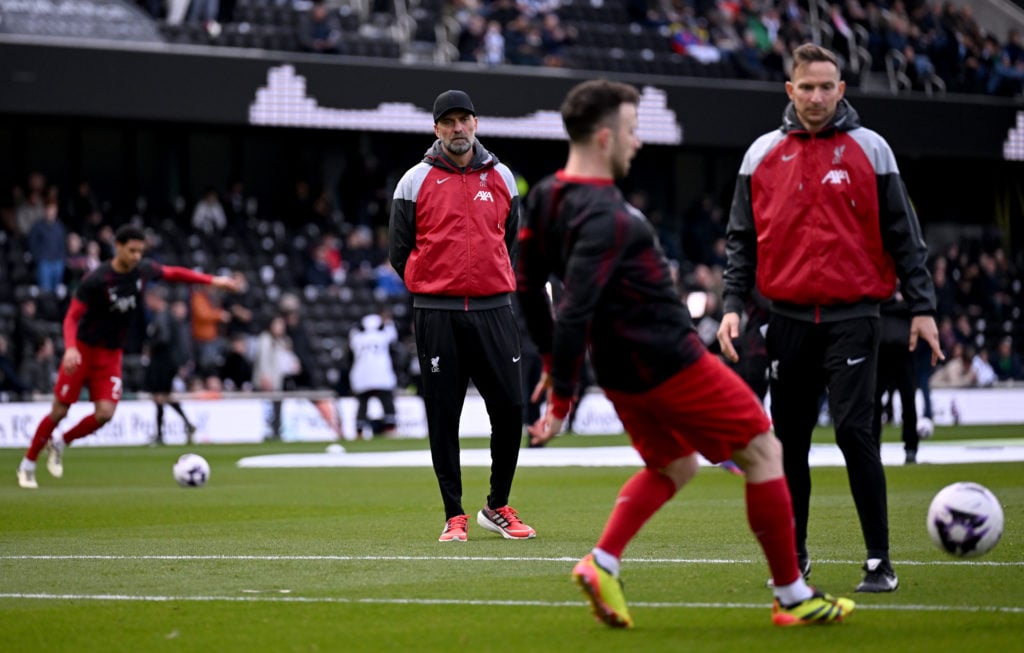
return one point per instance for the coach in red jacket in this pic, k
(453, 239)
(822, 223)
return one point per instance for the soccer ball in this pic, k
(925, 428)
(965, 519)
(191, 470)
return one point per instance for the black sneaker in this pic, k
(911, 458)
(878, 577)
(803, 561)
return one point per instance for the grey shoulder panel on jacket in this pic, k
(408, 186)
(876, 149)
(759, 149)
(510, 179)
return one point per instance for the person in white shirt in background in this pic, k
(373, 373)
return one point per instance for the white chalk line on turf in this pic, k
(560, 559)
(478, 602)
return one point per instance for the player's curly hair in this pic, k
(128, 232)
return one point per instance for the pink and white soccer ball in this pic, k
(965, 520)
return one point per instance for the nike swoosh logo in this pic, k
(788, 157)
(441, 181)
(856, 361)
(516, 359)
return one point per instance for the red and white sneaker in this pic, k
(504, 520)
(455, 529)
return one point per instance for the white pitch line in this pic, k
(478, 602)
(559, 559)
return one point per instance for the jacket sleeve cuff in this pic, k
(560, 406)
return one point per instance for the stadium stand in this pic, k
(900, 48)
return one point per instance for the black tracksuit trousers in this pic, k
(807, 359)
(455, 347)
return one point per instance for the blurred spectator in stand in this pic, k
(236, 372)
(208, 217)
(503, 11)
(1007, 77)
(236, 205)
(388, 281)
(360, 254)
(78, 263)
(180, 314)
(748, 58)
(30, 204)
(29, 331)
(702, 226)
(984, 375)
(494, 44)
(275, 360)
(105, 241)
(299, 207)
(83, 208)
(523, 42)
(203, 11)
(240, 308)
(326, 265)
(373, 372)
(176, 10)
(962, 329)
(307, 375)
(947, 336)
(471, 39)
(945, 294)
(320, 29)
(318, 270)
(208, 315)
(956, 372)
(1007, 364)
(555, 38)
(47, 240)
(164, 360)
(40, 371)
(10, 383)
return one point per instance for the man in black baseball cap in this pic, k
(450, 101)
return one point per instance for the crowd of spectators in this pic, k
(752, 38)
(308, 278)
(980, 292)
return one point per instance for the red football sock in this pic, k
(85, 427)
(770, 514)
(640, 497)
(42, 436)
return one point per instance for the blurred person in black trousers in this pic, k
(165, 359)
(896, 373)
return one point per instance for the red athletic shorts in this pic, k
(100, 369)
(705, 408)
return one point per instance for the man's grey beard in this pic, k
(460, 146)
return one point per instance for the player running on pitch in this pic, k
(674, 397)
(95, 327)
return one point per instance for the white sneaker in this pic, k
(55, 457)
(27, 479)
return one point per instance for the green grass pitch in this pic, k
(116, 557)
